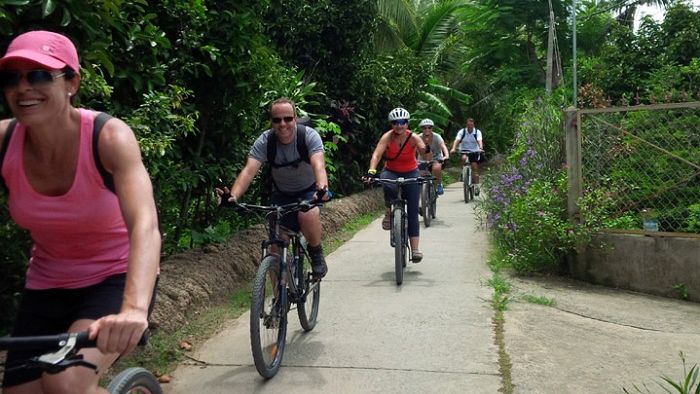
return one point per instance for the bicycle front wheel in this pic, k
(467, 180)
(425, 203)
(268, 318)
(308, 308)
(134, 381)
(399, 245)
(433, 202)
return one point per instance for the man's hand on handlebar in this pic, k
(323, 194)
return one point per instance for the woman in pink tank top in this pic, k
(96, 252)
(398, 148)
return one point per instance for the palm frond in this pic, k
(436, 25)
(401, 12)
(452, 93)
(434, 103)
(387, 39)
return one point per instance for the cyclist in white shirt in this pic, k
(471, 145)
(438, 150)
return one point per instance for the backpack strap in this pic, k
(100, 119)
(302, 149)
(3, 147)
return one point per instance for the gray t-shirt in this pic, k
(434, 148)
(289, 179)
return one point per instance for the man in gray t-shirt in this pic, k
(293, 177)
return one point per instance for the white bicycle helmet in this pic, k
(399, 113)
(426, 122)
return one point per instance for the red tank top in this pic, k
(406, 161)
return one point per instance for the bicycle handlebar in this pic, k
(48, 342)
(399, 181)
(303, 206)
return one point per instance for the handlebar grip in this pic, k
(82, 340)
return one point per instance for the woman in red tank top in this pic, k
(398, 148)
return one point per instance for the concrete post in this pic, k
(573, 163)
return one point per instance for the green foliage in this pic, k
(681, 290)
(693, 222)
(327, 39)
(654, 64)
(526, 205)
(13, 265)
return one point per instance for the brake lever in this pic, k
(60, 366)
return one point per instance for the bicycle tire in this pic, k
(134, 380)
(399, 245)
(425, 203)
(268, 318)
(433, 202)
(308, 305)
(466, 182)
(471, 192)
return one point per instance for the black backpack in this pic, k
(100, 119)
(302, 149)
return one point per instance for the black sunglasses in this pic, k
(287, 119)
(10, 79)
(399, 122)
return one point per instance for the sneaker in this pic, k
(318, 261)
(386, 222)
(440, 190)
(417, 256)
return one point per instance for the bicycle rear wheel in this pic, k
(134, 381)
(268, 318)
(399, 245)
(425, 203)
(308, 308)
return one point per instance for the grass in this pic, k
(164, 352)
(501, 290)
(689, 383)
(349, 230)
(541, 300)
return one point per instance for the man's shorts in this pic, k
(52, 311)
(474, 157)
(290, 220)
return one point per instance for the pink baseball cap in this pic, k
(49, 49)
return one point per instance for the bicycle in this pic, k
(62, 353)
(470, 190)
(428, 193)
(274, 293)
(398, 237)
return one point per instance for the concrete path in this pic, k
(433, 334)
(596, 339)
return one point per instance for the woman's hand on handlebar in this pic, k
(119, 333)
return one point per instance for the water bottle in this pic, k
(649, 220)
